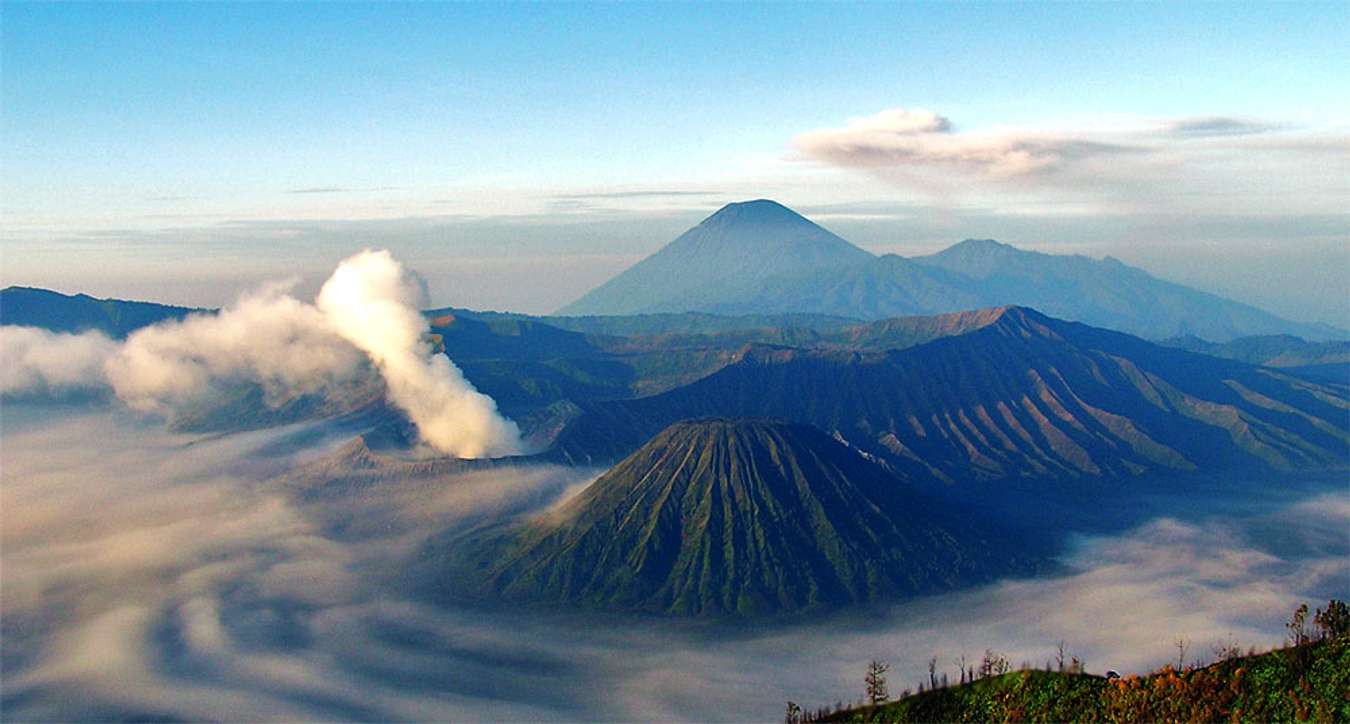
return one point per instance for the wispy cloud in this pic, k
(340, 189)
(640, 194)
(923, 141)
(1219, 126)
(319, 190)
(899, 138)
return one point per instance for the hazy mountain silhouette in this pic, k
(1325, 361)
(761, 258)
(736, 248)
(56, 312)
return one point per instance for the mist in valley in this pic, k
(154, 574)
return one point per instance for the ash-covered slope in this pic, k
(743, 517)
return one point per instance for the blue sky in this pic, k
(146, 144)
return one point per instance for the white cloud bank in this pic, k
(366, 316)
(202, 586)
(37, 362)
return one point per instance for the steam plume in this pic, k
(366, 317)
(372, 302)
(268, 338)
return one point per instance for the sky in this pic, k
(518, 154)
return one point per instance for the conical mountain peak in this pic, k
(739, 247)
(986, 246)
(757, 211)
(743, 517)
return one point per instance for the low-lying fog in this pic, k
(147, 574)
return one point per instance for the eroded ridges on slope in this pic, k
(1024, 396)
(736, 516)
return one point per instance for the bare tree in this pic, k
(875, 682)
(961, 667)
(793, 715)
(1182, 645)
(932, 673)
(993, 664)
(1059, 655)
(1227, 651)
(1298, 626)
(1333, 622)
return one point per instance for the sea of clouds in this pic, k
(154, 574)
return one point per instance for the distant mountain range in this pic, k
(1327, 361)
(759, 257)
(743, 517)
(56, 312)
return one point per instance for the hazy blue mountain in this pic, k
(56, 312)
(632, 325)
(876, 288)
(1325, 361)
(742, 517)
(736, 248)
(1105, 293)
(1006, 394)
(1279, 350)
(761, 258)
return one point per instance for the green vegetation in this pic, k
(743, 518)
(1307, 680)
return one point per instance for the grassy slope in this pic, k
(745, 518)
(1312, 682)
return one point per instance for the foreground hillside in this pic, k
(1310, 682)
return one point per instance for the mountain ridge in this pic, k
(1014, 394)
(57, 312)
